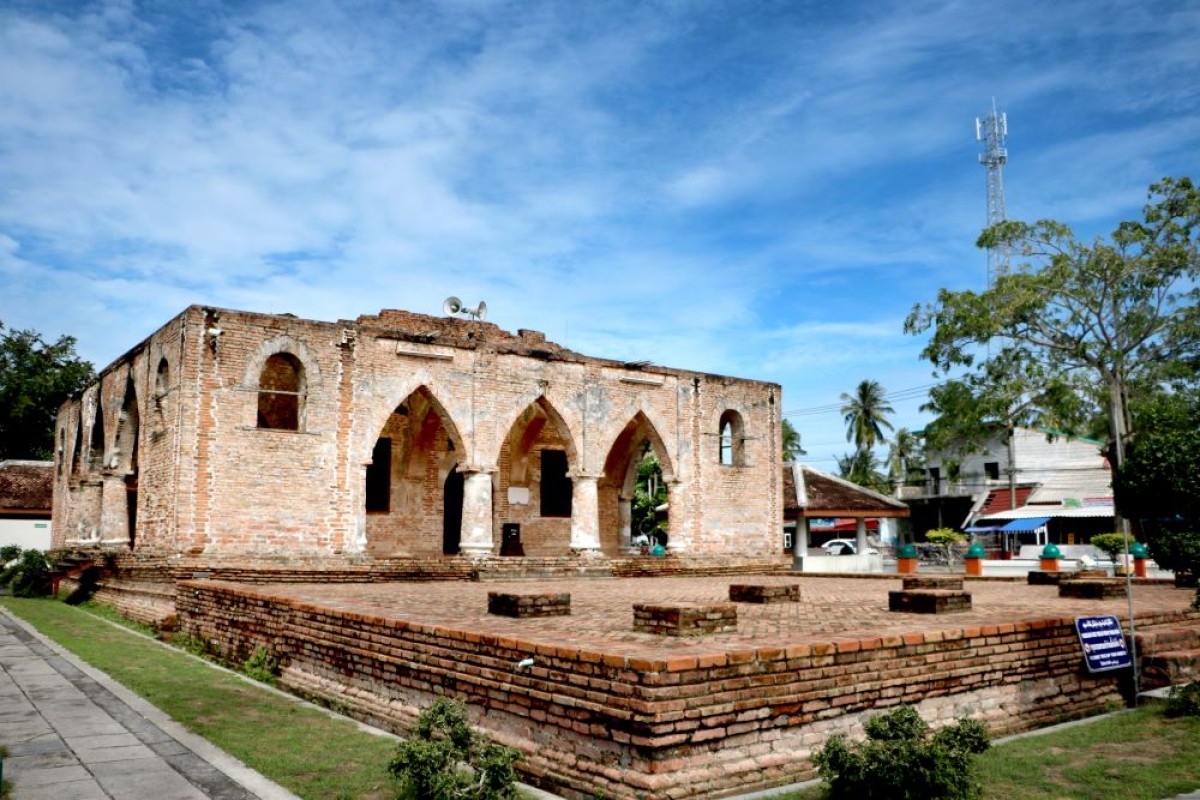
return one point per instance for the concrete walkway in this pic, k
(74, 734)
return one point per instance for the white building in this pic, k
(25, 499)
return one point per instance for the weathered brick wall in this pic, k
(210, 479)
(696, 725)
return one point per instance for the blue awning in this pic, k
(1028, 524)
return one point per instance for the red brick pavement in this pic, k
(601, 620)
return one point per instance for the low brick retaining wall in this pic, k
(764, 593)
(684, 619)
(506, 604)
(704, 721)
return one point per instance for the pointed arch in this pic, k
(416, 447)
(535, 482)
(96, 443)
(125, 448)
(617, 490)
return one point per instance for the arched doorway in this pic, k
(634, 494)
(413, 501)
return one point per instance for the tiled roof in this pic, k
(26, 485)
(999, 500)
(820, 492)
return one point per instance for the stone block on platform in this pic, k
(508, 604)
(929, 601)
(685, 619)
(764, 593)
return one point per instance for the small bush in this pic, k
(445, 759)
(1183, 701)
(30, 577)
(9, 552)
(900, 761)
(262, 666)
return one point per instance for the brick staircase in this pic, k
(73, 572)
(1169, 656)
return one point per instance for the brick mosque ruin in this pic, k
(229, 433)
(401, 507)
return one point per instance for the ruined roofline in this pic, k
(450, 331)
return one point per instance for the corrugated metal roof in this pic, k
(1064, 512)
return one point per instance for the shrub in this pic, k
(900, 761)
(1111, 544)
(9, 552)
(1183, 701)
(445, 759)
(30, 577)
(262, 666)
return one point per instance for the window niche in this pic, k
(281, 391)
(731, 437)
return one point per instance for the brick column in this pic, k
(114, 510)
(678, 537)
(476, 540)
(585, 514)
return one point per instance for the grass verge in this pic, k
(1139, 755)
(300, 748)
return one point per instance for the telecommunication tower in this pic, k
(992, 131)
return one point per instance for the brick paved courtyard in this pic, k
(601, 617)
(595, 706)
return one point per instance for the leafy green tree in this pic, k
(35, 379)
(1158, 485)
(1121, 315)
(650, 492)
(791, 447)
(866, 415)
(863, 468)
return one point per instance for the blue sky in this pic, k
(761, 189)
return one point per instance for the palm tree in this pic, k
(904, 457)
(791, 446)
(862, 467)
(866, 413)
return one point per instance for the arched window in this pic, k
(731, 439)
(281, 393)
(162, 387)
(96, 447)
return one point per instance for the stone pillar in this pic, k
(476, 538)
(585, 514)
(860, 536)
(678, 540)
(800, 544)
(114, 510)
(625, 515)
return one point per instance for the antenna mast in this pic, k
(991, 131)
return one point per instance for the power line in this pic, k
(898, 396)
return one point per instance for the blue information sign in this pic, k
(1103, 643)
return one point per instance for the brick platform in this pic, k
(684, 619)
(947, 582)
(506, 604)
(929, 601)
(764, 593)
(1092, 589)
(605, 709)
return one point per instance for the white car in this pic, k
(838, 547)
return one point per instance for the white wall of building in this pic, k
(27, 533)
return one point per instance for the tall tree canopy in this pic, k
(35, 379)
(1121, 316)
(866, 414)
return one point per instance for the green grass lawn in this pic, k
(300, 748)
(1138, 754)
